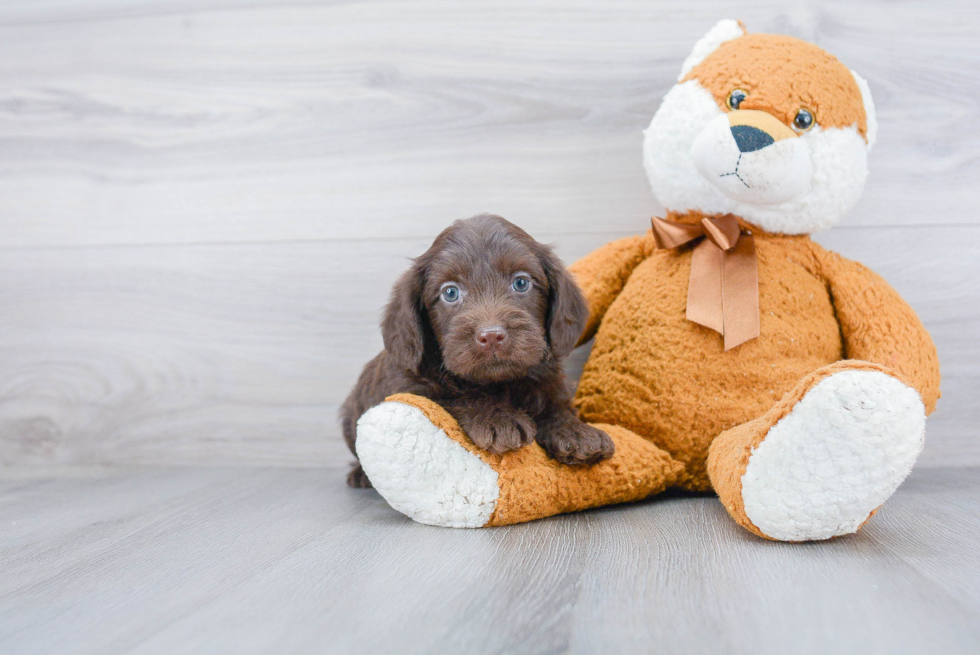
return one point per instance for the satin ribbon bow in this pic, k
(723, 291)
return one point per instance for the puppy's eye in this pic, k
(521, 284)
(450, 293)
(803, 121)
(735, 98)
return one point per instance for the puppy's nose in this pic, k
(750, 139)
(491, 338)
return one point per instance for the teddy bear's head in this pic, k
(768, 128)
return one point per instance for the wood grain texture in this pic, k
(203, 204)
(291, 561)
(186, 355)
(150, 122)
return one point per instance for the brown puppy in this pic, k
(481, 323)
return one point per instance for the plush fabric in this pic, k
(779, 75)
(803, 431)
(530, 485)
(860, 441)
(770, 68)
(421, 471)
(660, 375)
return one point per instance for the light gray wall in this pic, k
(203, 204)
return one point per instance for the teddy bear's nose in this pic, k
(750, 139)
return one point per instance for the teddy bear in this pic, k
(731, 352)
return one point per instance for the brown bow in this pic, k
(723, 292)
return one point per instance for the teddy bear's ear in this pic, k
(724, 30)
(869, 109)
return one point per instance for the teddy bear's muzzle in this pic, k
(751, 157)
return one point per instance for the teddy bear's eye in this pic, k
(735, 98)
(803, 121)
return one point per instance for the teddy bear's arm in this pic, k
(602, 274)
(878, 326)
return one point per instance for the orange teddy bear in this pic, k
(732, 353)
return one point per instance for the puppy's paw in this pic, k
(577, 444)
(500, 432)
(357, 478)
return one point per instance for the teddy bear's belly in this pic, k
(671, 381)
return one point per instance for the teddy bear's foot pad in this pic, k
(422, 472)
(825, 467)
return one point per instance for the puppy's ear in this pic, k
(568, 310)
(402, 327)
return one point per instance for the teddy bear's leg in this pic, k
(824, 458)
(421, 462)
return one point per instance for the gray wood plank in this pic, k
(163, 122)
(241, 353)
(289, 560)
(279, 163)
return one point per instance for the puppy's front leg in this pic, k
(491, 424)
(570, 441)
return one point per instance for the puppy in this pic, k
(480, 324)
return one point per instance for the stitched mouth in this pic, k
(735, 172)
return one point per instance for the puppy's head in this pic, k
(487, 300)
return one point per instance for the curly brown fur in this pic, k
(491, 351)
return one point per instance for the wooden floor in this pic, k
(291, 561)
(204, 204)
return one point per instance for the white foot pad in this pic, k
(836, 457)
(421, 472)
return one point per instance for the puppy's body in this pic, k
(481, 324)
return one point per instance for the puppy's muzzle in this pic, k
(752, 157)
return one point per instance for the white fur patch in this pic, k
(838, 455)
(667, 157)
(838, 163)
(421, 472)
(768, 176)
(870, 113)
(724, 30)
